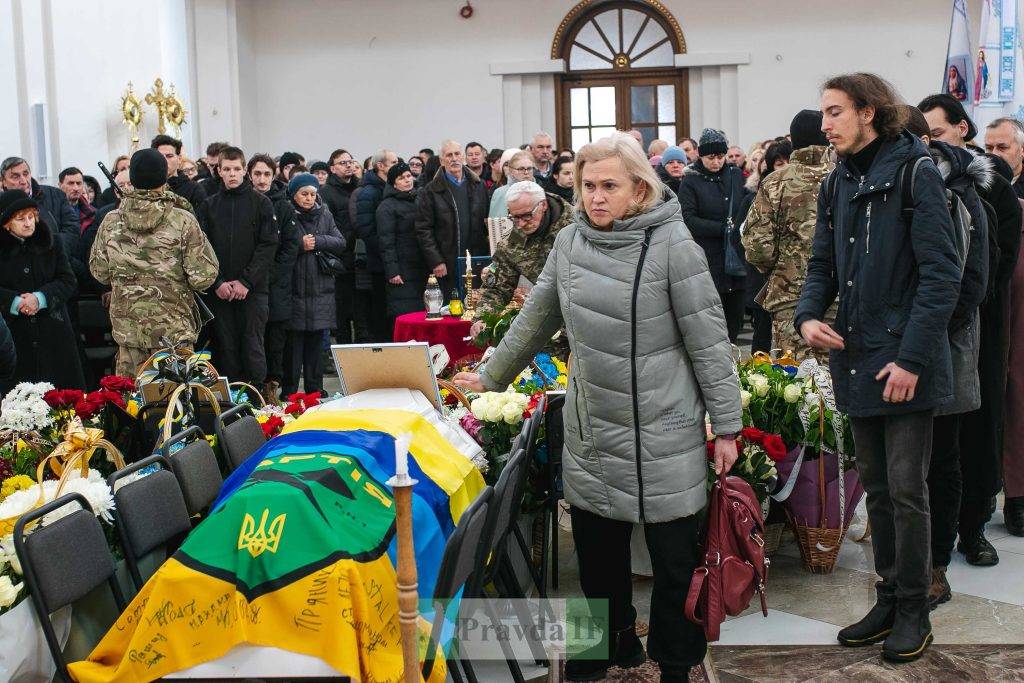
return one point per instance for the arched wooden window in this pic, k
(620, 57)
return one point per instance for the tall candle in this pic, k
(402, 443)
(469, 259)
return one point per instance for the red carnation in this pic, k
(272, 427)
(293, 408)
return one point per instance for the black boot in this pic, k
(911, 632)
(977, 550)
(624, 650)
(1013, 513)
(874, 627)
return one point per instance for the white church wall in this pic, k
(406, 74)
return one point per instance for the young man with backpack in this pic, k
(966, 175)
(897, 277)
(981, 432)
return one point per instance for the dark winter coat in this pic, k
(336, 195)
(551, 187)
(666, 177)
(288, 246)
(56, 211)
(396, 227)
(240, 225)
(8, 352)
(437, 225)
(187, 189)
(367, 199)
(45, 342)
(706, 199)
(897, 284)
(313, 305)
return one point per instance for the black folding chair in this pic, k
(554, 437)
(62, 563)
(150, 514)
(528, 440)
(196, 469)
(239, 435)
(460, 562)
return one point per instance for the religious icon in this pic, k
(955, 83)
(981, 90)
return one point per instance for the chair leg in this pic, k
(544, 554)
(513, 665)
(518, 604)
(554, 545)
(528, 557)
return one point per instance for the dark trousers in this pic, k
(762, 322)
(238, 328)
(307, 357)
(275, 341)
(893, 452)
(344, 306)
(371, 312)
(733, 304)
(602, 548)
(944, 484)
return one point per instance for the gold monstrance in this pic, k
(175, 111)
(131, 114)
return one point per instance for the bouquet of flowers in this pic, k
(273, 418)
(758, 452)
(546, 372)
(494, 419)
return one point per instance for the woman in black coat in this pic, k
(710, 193)
(35, 283)
(313, 307)
(404, 268)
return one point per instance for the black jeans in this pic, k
(602, 548)
(893, 452)
(944, 487)
(762, 322)
(238, 327)
(307, 357)
(275, 342)
(733, 304)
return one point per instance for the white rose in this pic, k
(759, 383)
(512, 413)
(8, 591)
(744, 398)
(791, 393)
(477, 406)
(492, 413)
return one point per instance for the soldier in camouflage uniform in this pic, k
(153, 254)
(779, 230)
(537, 218)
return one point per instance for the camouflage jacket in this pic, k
(153, 254)
(521, 255)
(779, 229)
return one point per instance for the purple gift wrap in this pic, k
(804, 503)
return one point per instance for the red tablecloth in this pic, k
(446, 330)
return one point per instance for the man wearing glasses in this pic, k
(336, 193)
(537, 217)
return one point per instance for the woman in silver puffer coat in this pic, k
(651, 357)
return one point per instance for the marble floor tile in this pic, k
(1008, 544)
(781, 664)
(778, 628)
(1002, 582)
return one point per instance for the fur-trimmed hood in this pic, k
(954, 162)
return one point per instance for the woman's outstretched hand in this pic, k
(469, 380)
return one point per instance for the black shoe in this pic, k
(624, 650)
(977, 550)
(911, 632)
(1013, 514)
(675, 677)
(874, 627)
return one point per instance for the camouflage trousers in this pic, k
(786, 338)
(129, 358)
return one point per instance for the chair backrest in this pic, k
(63, 562)
(239, 435)
(463, 553)
(195, 467)
(554, 437)
(531, 428)
(150, 512)
(508, 497)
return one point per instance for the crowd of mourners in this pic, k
(877, 237)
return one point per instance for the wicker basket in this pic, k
(773, 537)
(819, 548)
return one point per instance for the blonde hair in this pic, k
(624, 147)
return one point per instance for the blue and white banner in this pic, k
(995, 68)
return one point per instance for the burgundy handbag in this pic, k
(734, 562)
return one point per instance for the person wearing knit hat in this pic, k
(285, 163)
(396, 171)
(321, 170)
(301, 180)
(673, 163)
(712, 141)
(711, 195)
(147, 170)
(805, 130)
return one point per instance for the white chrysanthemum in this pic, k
(8, 555)
(8, 591)
(96, 493)
(23, 408)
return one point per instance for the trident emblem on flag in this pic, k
(257, 540)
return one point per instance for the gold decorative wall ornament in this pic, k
(131, 114)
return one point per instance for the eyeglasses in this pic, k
(525, 217)
(522, 169)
